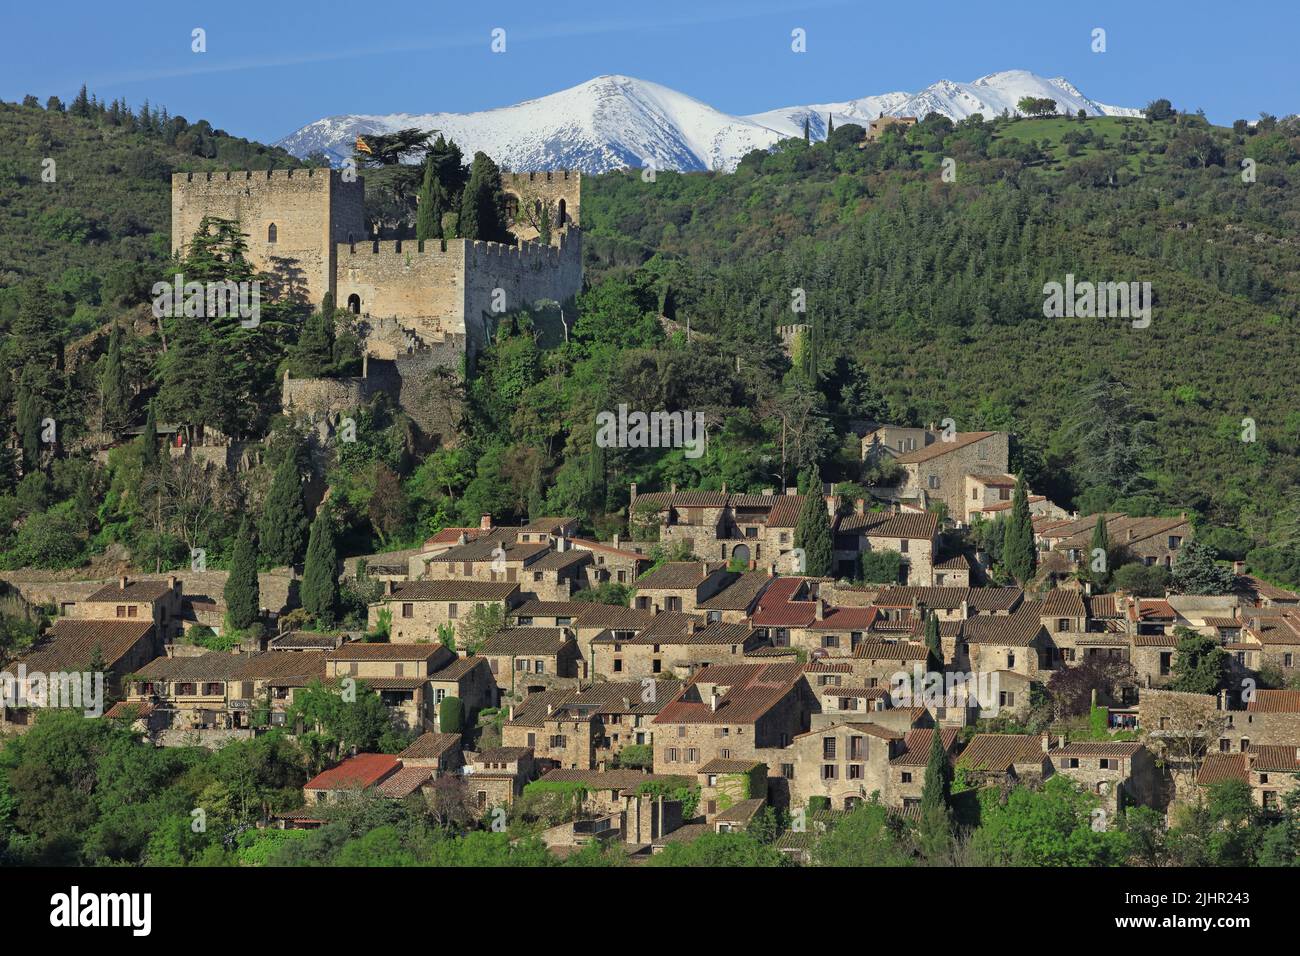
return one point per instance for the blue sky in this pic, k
(271, 67)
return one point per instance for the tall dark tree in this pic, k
(812, 530)
(243, 600)
(933, 642)
(935, 829)
(114, 390)
(320, 578)
(432, 203)
(1018, 555)
(149, 440)
(483, 205)
(284, 517)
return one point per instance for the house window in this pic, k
(857, 748)
(1007, 698)
(1062, 624)
(270, 233)
(132, 611)
(671, 754)
(829, 771)
(121, 610)
(828, 748)
(1108, 764)
(902, 546)
(830, 640)
(618, 665)
(1166, 663)
(1286, 660)
(906, 777)
(1245, 744)
(692, 755)
(934, 482)
(539, 667)
(1175, 542)
(1011, 660)
(787, 771)
(408, 610)
(855, 771)
(681, 730)
(452, 611)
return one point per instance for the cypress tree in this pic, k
(149, 439)
(284, 519)
(544, 224)
(241, 592)
(807, 132)
(933, 642)
(113, 385)
(432, 204)
(483, 205)
(812, 531)
(320, 581)
(1018, 540)
(936, 814)
(830, 125)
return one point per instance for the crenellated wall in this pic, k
(560, 189)
(312, 210)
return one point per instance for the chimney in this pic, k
(859, 506)
(771, 570)
(461, 539)
(549, 709)
(1131, 534)
(704, 570)
(690, 626)
(1223, 699)
(627, 703)
(121, 583)
(965, 609)
(724, 487)
(819, 607)
(561, 544)
(672, 489)
(1239, 568)
(485, 522)
(631, 493)
(713, 700)
(615, 539)
(388, 587)
(171, 582)
(1047, 742)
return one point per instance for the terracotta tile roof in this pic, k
(298, 668)
(1097, 748)
(503, 754)
(71, 644)
(1154, 640)
(212, 666)
(377, 651)
(532, 712)
(998, 753)
(548, 525)
(671, 624)
(865, 693)
(412, 683)
(451, 591)
(501, 541)
(550, 609)
(740, 593)
(958, 563)
(880, 525)
(136, 709)
(917, 743)
(936, 449)
(1275, 758)
(785, 511)
(135, 591)
(452, 535)
(1063, 602)
(847, 619)
(405, 782)
(430, 746)
(1273, 629)
(716, 633)
(458, 669)
(1018, 629)
(360, 771)
(742, 811)
(751, 690)
(729, 765)
(604, 548)
(1104, 605)
(614, 616)
(602, 780)
(677, 575)
(305, 640)
(1275, 702)
(890, 651)
(950, 598)
(560, 560)
(1258, 588)
(1151, 609)
(525, 640)
(1218, 768)
(623, 697)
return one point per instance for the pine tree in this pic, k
(284, 518)
(113, 387)
(1100, 542)
(936, 813)
(149, 440)
(807, 131)
(812, 530)
(243, 599)
(81, 104)
(1018, 554)
(830, 125)
(320, 582)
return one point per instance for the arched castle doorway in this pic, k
(354, 304)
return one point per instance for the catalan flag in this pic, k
(363, 147)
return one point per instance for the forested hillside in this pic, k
(924, 301)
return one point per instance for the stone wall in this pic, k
(561, 189)
(311, 209)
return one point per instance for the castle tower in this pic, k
(556, 190)
(293, 219)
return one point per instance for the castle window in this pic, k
(354, 304)
(270, 233)
(561, 213)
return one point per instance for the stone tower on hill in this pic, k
(418, 306)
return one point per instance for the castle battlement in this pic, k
(244, 175)
(545, 176)
(524, 252)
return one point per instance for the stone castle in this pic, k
(418, 306)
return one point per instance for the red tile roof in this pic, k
(1220, 767)
(1275, 702)
(363, 770)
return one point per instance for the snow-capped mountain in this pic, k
(615, 121)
